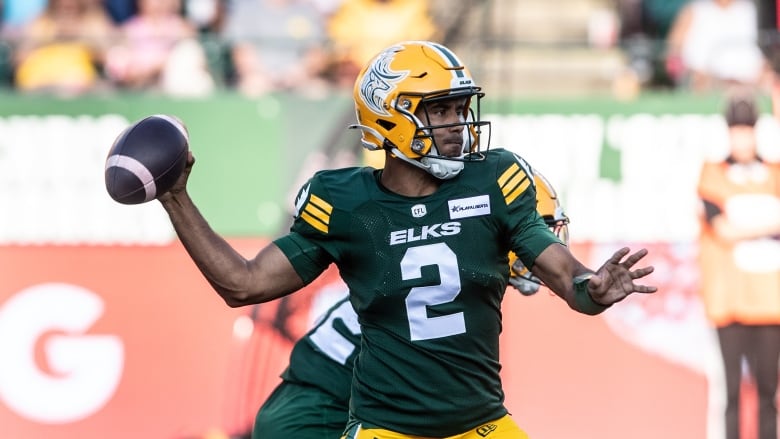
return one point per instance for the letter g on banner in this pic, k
(83, 371)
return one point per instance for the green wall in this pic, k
(250, 151)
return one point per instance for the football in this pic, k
(146, 159)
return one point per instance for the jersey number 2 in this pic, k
(421, 326)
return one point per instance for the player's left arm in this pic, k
(587, 291)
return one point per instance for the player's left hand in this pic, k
(614, 281)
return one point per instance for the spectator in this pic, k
(358, 29)
(658, 15)
(276, 45)
(63, 48)
(186, 72)
(740, 265)
(148, 41)
(714, 43)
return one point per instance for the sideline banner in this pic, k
(110, 342)
(132, 342)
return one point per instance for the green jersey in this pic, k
(324, 357)
(312, 401)
(426, 277)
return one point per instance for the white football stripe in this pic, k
(136, 168)
(175, 122)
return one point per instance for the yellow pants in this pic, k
(503, 428)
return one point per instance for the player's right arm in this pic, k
(238, 280)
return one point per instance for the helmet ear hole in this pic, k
(386, 124)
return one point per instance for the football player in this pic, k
(422, 246)
(312, 401)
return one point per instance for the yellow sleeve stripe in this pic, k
(517, 180)
(519, 190)
(314, 222)
(317, 213)
(507, 174)
(513, 182)
(322, 204)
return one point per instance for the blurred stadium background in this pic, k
(108, 329)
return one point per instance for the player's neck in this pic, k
(407, 180)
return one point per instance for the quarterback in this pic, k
(312, 401)
(422, 246)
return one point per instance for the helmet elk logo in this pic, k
(379, 80)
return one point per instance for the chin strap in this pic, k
(442, 169)
(439, 168)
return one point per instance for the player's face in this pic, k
(447, 113)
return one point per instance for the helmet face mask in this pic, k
(471, 130)
(549, 207)
(393, 94)
(559, 225)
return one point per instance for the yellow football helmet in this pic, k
(550, 209)
(392, 87)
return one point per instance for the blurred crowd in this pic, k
(192, 47)
(705, 44)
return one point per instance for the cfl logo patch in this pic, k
(419, 210)
(484, 430)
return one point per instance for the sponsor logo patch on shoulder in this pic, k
(468, 207)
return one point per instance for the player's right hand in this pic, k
(181, 183)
